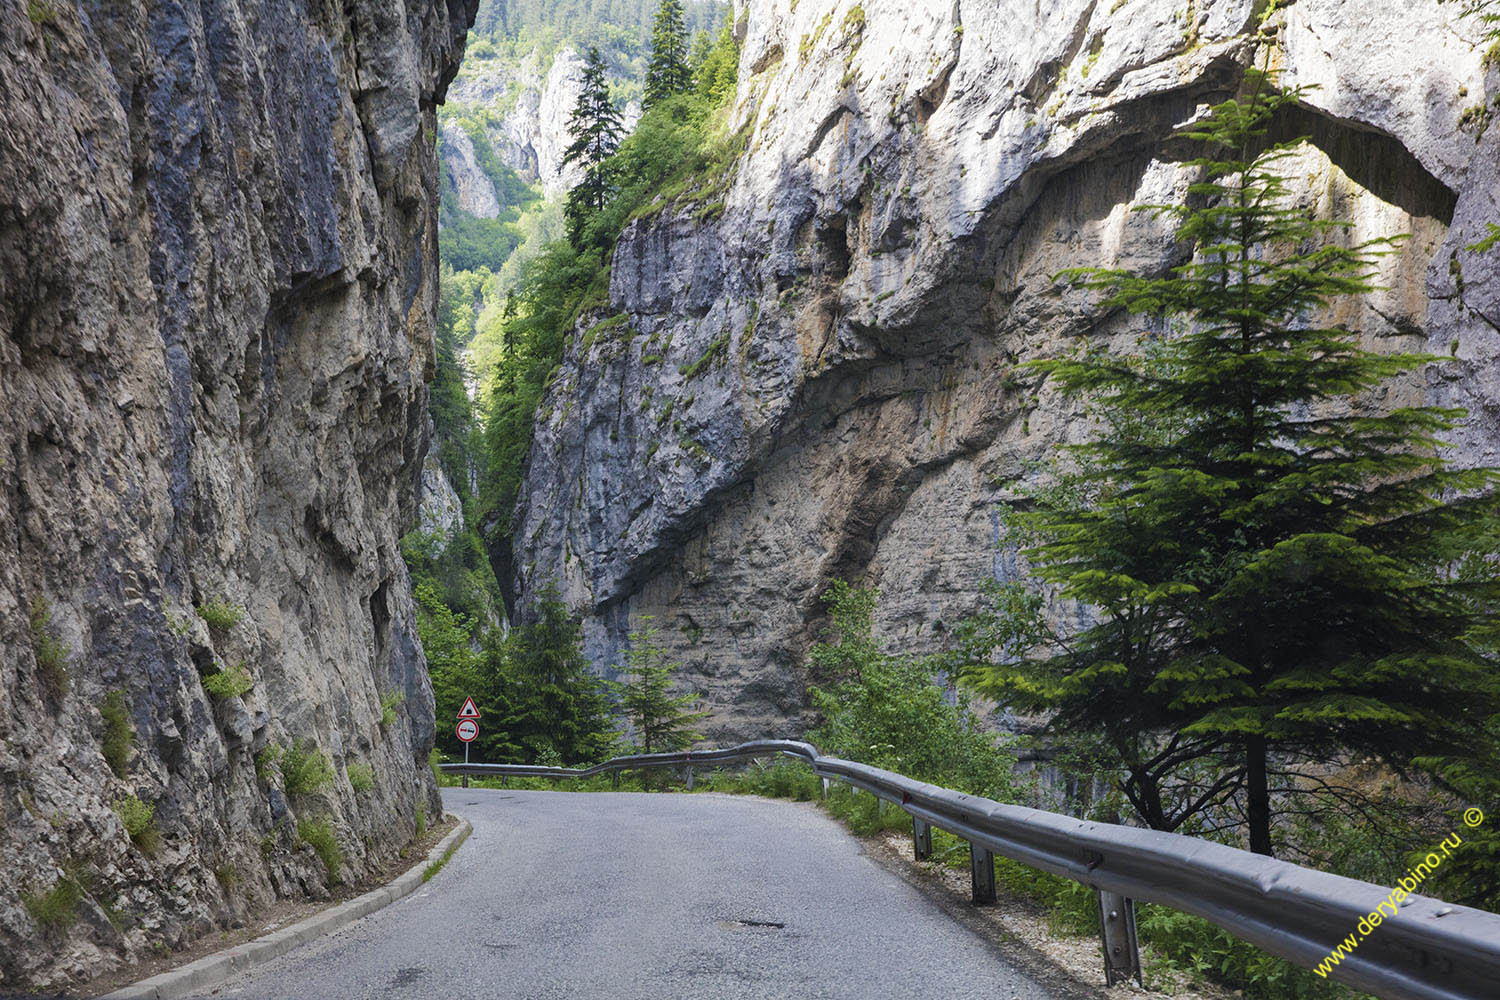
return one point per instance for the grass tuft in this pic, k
(361, 777)
(305, 769)
(220, 614)
(118, 733)
(51, 654)
(389, 701)
(140, 822)
(231, 682)
(320, 837)
(55, 910)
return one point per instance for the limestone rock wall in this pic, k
(217, 284)
(820, 380)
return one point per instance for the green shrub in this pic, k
(231, 682)
(228, 875)
(55, 910)
(220, 614)
(51, 655)
(361, 777)
(40, 12)
(267, 760)
(434, 759)
(320, 837)
(389, 700)
(421, 822)
(890, 711)
(305, 769)
(118, 733)
(139, 819)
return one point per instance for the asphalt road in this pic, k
(601, 895)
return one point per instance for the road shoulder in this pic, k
(213, 970)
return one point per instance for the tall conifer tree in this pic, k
(595, 129)
(667, 71)
(1274, 560)
(663, 721)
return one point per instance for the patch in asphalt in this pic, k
(405, 977)
(737, 923)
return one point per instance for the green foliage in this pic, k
(220, 614)
(888, 710)
(595, 129)
(305, 769)
(56, 910)
(361, 777)
(1485, 13)
(715, 350)
(667, 70)
(268, 759)
(118, 732)
(389, 702)
(455, 569)
(139, 819)
(40, 12)
(717, 71)
(231, 682)
(51, 655)
(421, 822)
(539, 698)
(1234, 495)
(320, 837)
(662, 721)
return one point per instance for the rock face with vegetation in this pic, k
(217, 290)
(807, 367)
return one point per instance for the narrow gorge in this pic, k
(233, 354)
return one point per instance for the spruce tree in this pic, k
(542, 702)
(667, 71)
(1272, 559)
(663, 721)
(595, 129)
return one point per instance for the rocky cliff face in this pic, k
(820, 381)
(217, 286)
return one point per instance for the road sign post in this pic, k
(467, 729)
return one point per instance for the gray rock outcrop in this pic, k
(813, 372)
(217, 291)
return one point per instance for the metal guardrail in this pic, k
(1430, 950)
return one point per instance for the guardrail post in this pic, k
(1122, 954)
(982, 873)
(615, 779)
(824, 792)
(690, 777)
(921, 839)
(466, 781)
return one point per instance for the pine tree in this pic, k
(667, 71)
(595, 129)
(1273, 562)
(543, 702)
(663, 721)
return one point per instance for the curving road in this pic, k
(646, 897)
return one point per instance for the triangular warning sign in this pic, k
(469, 711)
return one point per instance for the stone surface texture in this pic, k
(817, 378)
(218, 262)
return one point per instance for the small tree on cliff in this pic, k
(663, 721)
(595, 129)
(1273, 561)
(667, 71)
